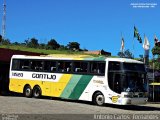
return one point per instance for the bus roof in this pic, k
(77, 57)
(62, 57)
(125, 60)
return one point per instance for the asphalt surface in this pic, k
(19, 107)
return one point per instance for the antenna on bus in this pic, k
(4, 20)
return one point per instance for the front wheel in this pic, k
(98, 99)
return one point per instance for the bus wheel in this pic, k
(98, 98)
(27, 91)
(37, 92)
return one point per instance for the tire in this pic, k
(98, 99)
(27, 91)
(37, 92)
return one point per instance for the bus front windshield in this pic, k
(127, 77)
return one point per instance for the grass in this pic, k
(38, 50)
(44, 51)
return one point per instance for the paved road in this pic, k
(16, 105)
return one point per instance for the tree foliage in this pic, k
(156, 54)
(5, 42)
(52, 44)
(33, 43)
(73, 46)
(0, 38)
(125, 54)
(156, 50)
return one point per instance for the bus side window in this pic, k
(61, 66)
(81, 67)
(24, 64)
(68, 66)
(53, 66)
(97, 67)
(36, 65)
(15, 64)
(84, 67)
(114, 65)
(101, 68)
(77, 69)
(47, 66)
(93, 67)
(64, 66)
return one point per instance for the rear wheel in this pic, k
(27, 91)
(98, 99)
(37, 92)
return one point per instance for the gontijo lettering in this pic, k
(44, 76)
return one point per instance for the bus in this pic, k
(101, 80)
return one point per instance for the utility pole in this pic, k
(4, 20)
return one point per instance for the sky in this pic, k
(95, 24)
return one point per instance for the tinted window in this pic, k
(60, 66)
(15, 64)
(97, 67)
(64, 66)
(50, 66)
(24, 64)
(134, 66)
(81, 67)
(36, 65)
(114, 66)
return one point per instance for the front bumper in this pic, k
(133, 101)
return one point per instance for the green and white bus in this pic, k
(98, 79)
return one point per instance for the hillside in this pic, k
(44, 51)
(38, 50)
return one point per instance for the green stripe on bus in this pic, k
(89, 59)
(79, 88)
(70, 86)
(100, 58)
(96, 58)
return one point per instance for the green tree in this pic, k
(62, 47)
(6, 42)
(121, 54)
(16, 43)
(73, 46)
(42, 46)
(33, 42)
(156, 50)
(26, 42)
(156, 56)
(125, 54)
(141, 58)
(1, 38)
(52, 44)
(128, 54)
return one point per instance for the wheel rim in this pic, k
(100, 99)
(28, 91)
(36, 93)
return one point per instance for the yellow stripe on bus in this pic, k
(17, 85)
(48, 88)
(61, 84)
